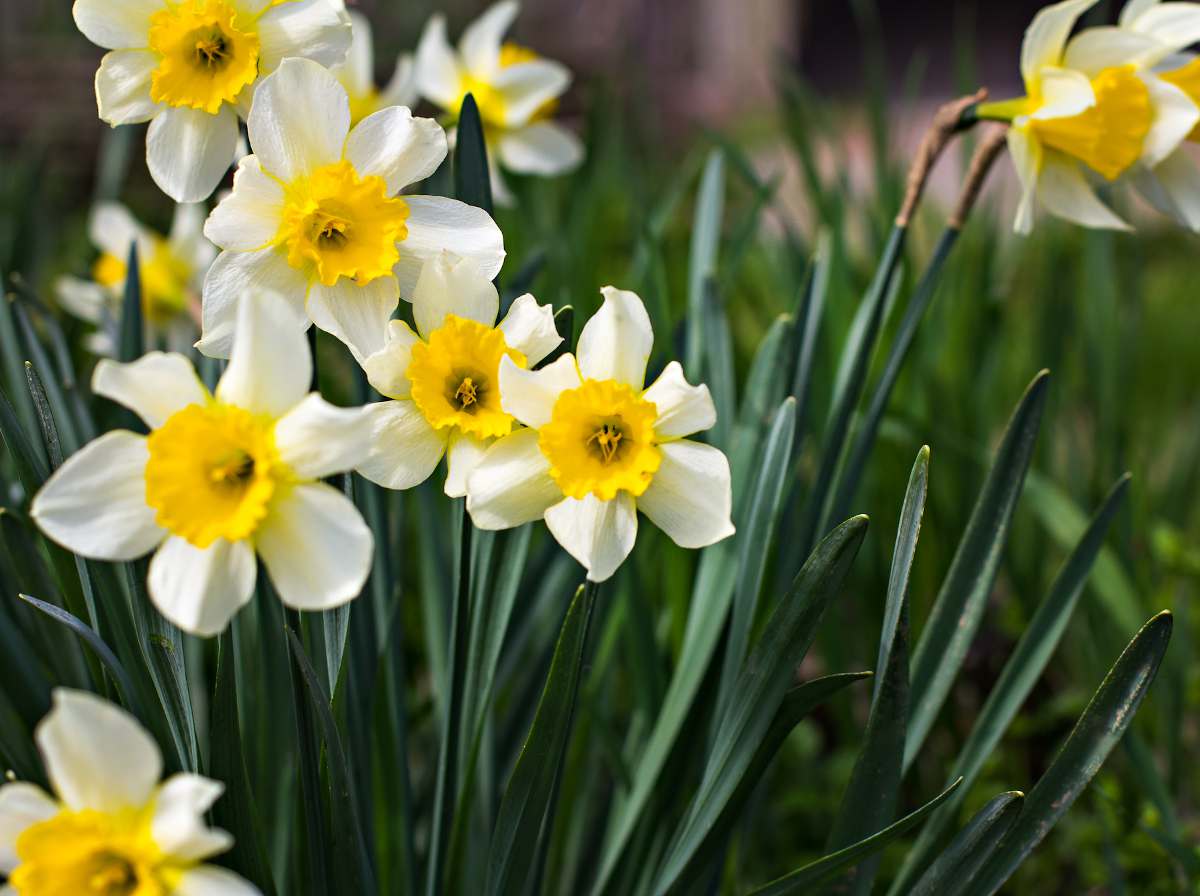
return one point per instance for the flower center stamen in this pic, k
(208, 54)
(607, 439)
(467, 393)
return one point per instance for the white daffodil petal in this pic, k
(187, 235)
(154, 386)
(452, 285)
(1047, 35)
(112, 228)
(317, 439)
(299, 120)
(212, 880)
(599, 534)
(1175, 115)
(1133, 10)
(1175, 25)
(188, 151)
(178, 825)
(682, 408)
(123, 87)
(529, 328)
(249, 218)
(357, 314)
(437, 65)
(83, 298)
(397, 147)
(1064, 191)
(357, 73)
(235, 275)
(401, 90)
(529, 395)
(511, 485)
(1065, 93)
(95, 503)
(1095, 49)
(480, 43)
(21, 805)
(201, 589)
(690, 497)
(387, 369)
(404, 448)
(97, 756)
(540, 148)
(1173, 188)
(615, 343)
(1027, 160)
(436, 224)
(463, 454)
(315, 29)
(270, 368)
(116, 24)
(528, 86)
(316, 547)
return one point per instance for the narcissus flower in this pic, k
(190, 67)
(219, 478)
(316, 214)
(516, 90)
(599, 447)
(111, 827)
(357, 75)
(1093, 105)
(172, 271)
(444, 378)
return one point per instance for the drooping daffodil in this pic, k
(220, 478)
(190, 68)
(357, 75)
(1094, 107)
(316, 213)
(444, 378)
(599, 447)
(171, 270)
(517, 92)
(111, 826)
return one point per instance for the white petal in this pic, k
(315, 29)
(528, 86)
(299, 120)
(1175, 25)
(511, 485)
(404, 448)
(1047, 35)
(437, 65)
(317, 439)
(95, 503)
(211, 880)
(97, 755)
(21, 805)
(178, 825)
(1065, 93)
(187, 235)
(201, 589)
(436, 224)
(387, 369)
(401, 90)
(123, 87)
(82, 298)
(356, 314)
(682, 408)
(189, 151)
(529, 395)
(1173, 188)
(1174, 117)
(599, 534)
(463, 455)
(1064, 191)
(248, 219)
(540, 148)
(690, 496)
(615, 343)
(113, 229)
(357, 73)
(1133, 10)
(1095, 49)
(237, 274)
(316, 547)
(116, 24)
(270, 368)
(480, 43)
(154, 386)
(1026, 154)
(452, 285)
(397, 147)
(529, 328)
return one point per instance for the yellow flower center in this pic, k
(165, 278)
(212, 473)
(92, 853)
(1187, 79)
(208, 53)
(600, 439)
(455, 377)
(341, 225)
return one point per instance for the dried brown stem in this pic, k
(948, 121)
(986, 153)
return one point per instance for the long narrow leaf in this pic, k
(953, 869)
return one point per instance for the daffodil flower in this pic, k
(357, 75)
(220, 477)
(599, 447)
(1092, 104)
(111, 826)
(190, 68)
(516, 91)
(172, 271)
(316, 216)
(444, 378)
